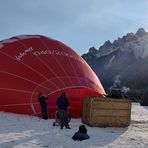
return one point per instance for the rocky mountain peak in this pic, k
(138, 43)
(107, 43)
(92, 51)
(126, 57)
(128, 37)
(140, 32)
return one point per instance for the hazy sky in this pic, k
(80, 24)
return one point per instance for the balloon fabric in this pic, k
(30, 64)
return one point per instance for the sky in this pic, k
(80, 24)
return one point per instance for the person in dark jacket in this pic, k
(81, 134)
(42, 99)
(63, 103)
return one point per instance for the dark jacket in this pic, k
(80, 136)
(42, 100)
(62, 102)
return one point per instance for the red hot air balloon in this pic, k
(30, 64)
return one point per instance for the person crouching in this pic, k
(81, 134)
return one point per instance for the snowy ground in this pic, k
(20, 131)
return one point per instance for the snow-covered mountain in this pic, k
(137, 43)
(126, 57)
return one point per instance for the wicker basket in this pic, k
(106, 112)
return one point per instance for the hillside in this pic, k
(126, 58)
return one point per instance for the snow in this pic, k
(110, 61)
(22, 131)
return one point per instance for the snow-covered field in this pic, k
(21, 131)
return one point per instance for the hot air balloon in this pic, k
(30, 64)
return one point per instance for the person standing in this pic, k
(63, 103)
(42, 99)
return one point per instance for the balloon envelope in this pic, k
(30, 64)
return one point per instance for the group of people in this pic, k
(62, 113)
(62, 103)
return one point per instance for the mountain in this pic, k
(123, 62)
